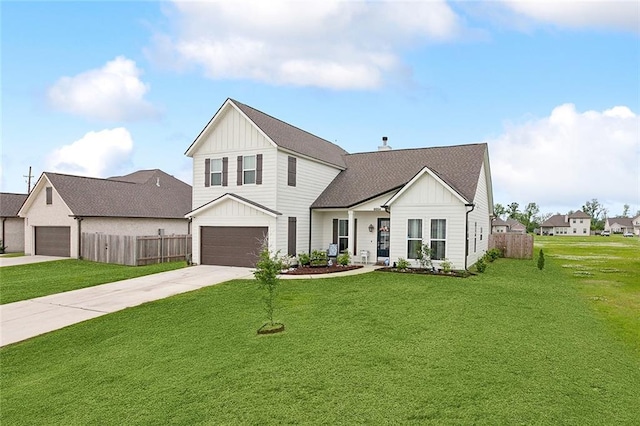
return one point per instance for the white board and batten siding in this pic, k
(428, 199)
(231, 213)
(479, 221)
(312, 177)
(233, 136)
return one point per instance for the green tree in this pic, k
(267, 270)
(529, 214)
(499, 210)
(625, 210)
(597, 212)
(541, 260)
(512, 210)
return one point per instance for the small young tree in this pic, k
(266, 273)
(541, 260)
(423, 255)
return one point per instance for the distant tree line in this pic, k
(532, 218)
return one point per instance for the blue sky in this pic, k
(107, 88)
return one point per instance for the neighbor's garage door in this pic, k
(231, 245)
(53, 240)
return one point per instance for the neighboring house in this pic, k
(636, 225)
(499, 226)
(619, 225)
(62, 207)
(574, 224)
(257, 177)
(12, 235)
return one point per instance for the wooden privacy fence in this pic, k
(514, 246)
(135, 250)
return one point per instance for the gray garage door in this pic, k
(231, 245)
(53, 241)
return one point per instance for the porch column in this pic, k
(350, 239)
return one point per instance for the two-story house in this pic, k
(574, 224)
(257, 178)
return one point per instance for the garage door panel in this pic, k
(53, 241)
(231, 246)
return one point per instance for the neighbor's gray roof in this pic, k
(498, 222)
(10, 204)
(371, 174)
(147, 194)
(294, 139)
(623, 221)
(514, 223)
(555, 220)
(579, 215)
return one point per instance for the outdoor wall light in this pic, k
(371, 228)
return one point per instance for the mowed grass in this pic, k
(23, 282)
(512, 346)
(606, 271)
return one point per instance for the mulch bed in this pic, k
(458, 274)
(308, 270)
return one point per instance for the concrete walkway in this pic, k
(25, 260)
(28, 318)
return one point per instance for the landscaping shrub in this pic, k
(446, 265)
(494, 254)
(423, 255)
(319, 258)
(304, 259)
(402, 264)
(344, 259)
(541, 260)
(481, 265)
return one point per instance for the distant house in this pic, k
(257, 178)
(619, 225)
(636, 224)
(499, 226)
(62, 207)
(12, 235)
(574, 224)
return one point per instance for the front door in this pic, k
(383, 237)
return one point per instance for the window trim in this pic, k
(437, 239)
(215, 172)
(344, 237)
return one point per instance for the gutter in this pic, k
(466, 234)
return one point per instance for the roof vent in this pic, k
(384, 146)
(158, 182)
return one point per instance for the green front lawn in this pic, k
(22, 282)
(511, 346)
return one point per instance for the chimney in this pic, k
(384, 146)
(566, 218)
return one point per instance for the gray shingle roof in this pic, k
(371, 174)
(145, 194)
(498, 222)
(622, 221)
(294, 139)
(555, 220)
(579, 215)
(10, 204)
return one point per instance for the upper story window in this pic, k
(249, 169)
(49, 194)
(216, 172)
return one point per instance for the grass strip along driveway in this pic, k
(41, 279)
(512, 346)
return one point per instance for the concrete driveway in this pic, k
(24, 260)
(28, 318)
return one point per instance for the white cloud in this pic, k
(565, 159)
(618, 14)
(113, 93)
(334, 43)
(96, 154)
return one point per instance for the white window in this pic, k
(343, 234)
(216, 171)
(249, 169)
(438, 238)
(414, 237)
(584, 230)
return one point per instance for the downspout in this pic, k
(466, 234)
(3, 240)
(310, 215)
(79, 219)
